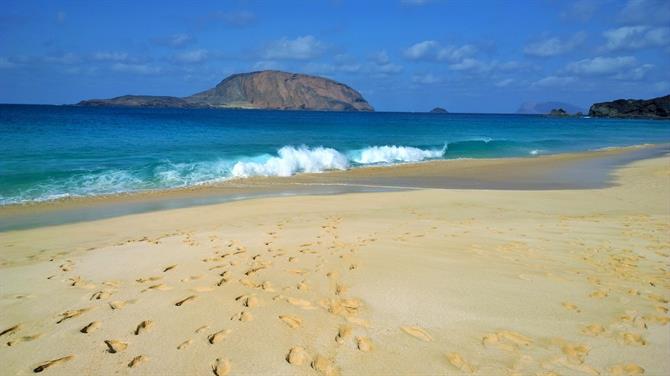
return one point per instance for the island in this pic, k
(542, 108)
(270, 90)
(657, 108)
(439, 110)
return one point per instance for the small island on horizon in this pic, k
(278, 90)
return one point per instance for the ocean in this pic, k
(52, 152)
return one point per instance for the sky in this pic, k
(401, 55)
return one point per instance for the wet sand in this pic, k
(421, 281)
(587, 170)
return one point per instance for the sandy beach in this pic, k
(422, 281)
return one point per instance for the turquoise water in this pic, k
(50, 152)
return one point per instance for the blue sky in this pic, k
(402, 55)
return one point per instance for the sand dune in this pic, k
(420, 282)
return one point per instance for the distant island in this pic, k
(562, 113)
(439, 110)
(658, 108)
(543, 108)
(271, 90)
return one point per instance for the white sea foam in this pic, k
(391, 154)
(292, 160)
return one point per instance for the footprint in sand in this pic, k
(221, 367)
(218, 336)
(417, 332)
(248, 301)
(632, 339)
(201, 329)
(185, 344)
(24, 339)
(576, 353)
(297, 356)
(570, 307)
(72, 314)
(114, 346)
(243, 316)
(456, 360)
(292, 321)
(53, 363)
(342, 333)
(625, 369)
(304, 304)
(11, 330)
(364, 344)
(168, 268)
(119, 304)
(593, 330)
(144, 326)
(91, 327)
(100, 295)
(324, 366)
(158, 287)
(137, 361)
(149, 279)
(185, 300)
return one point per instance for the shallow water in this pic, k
(51, 152)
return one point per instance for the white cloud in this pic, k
(426, 79)
(602, 65)
(267, 65)
(381, 64)
(6, 63)
(110, 56)
(554, 81)
(136, 68)
(634, 74)
(636, 12)
(433, 50)
(554, 46)
(582, 10)
(472, 65)
(504, 83)
(67, 58)
(179, 40)
(192, 57)
(636, 37)
(301, 48)
(381, 57)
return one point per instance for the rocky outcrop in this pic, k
(439, 110)
(658, 108)
(542, 108)
(281, 91)
(257, 90)
(558, 112)
(137, 101)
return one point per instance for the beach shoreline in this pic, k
(420, 281)
(582, 170)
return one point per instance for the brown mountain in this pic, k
(633, 108)
(257, 90)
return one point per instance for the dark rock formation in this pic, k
(439, 110)
(542, 108)
(558, 112)
(137, 101)
(258, 90)
(633, 108)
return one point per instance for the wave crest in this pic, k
(292, 160)
(390, 154)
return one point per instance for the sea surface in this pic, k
(52, 152)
